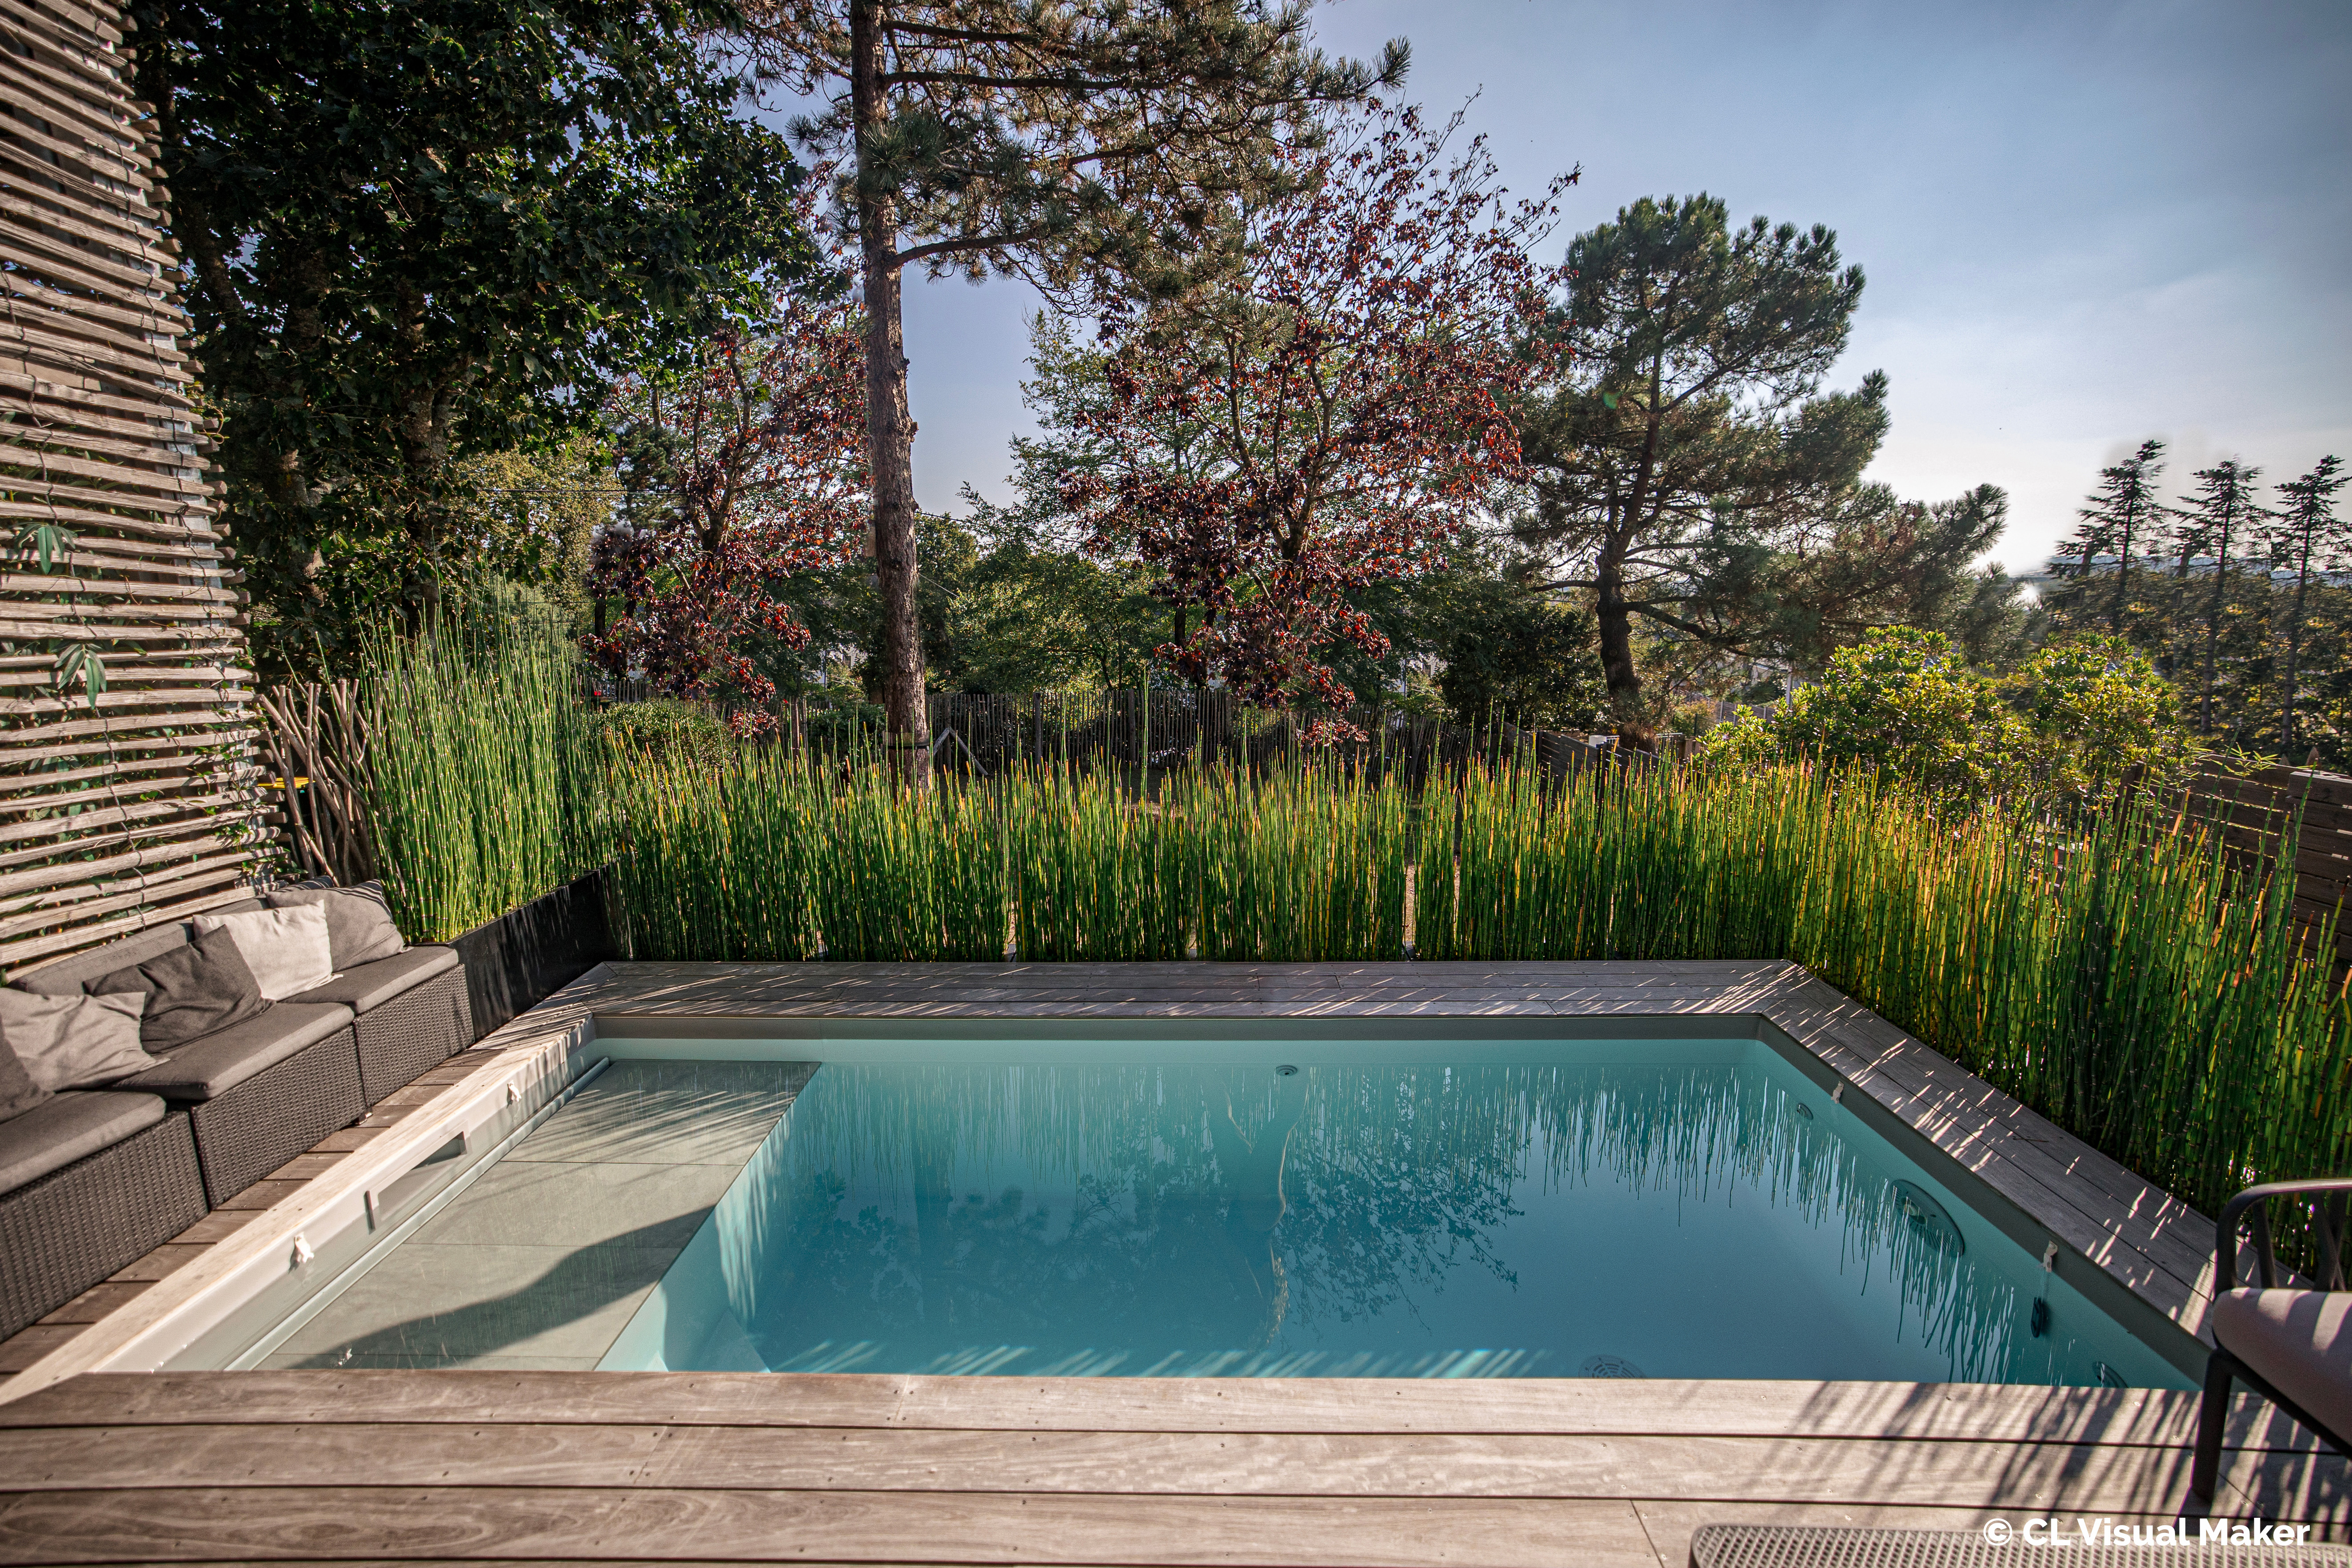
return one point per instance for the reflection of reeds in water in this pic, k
(1433, 1153)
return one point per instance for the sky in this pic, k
(2083, 225)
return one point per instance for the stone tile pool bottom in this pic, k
(1448, 1208)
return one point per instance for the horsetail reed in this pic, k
(2122, 978)
(475, 773)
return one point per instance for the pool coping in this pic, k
(2141, 1253)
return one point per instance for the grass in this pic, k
(2120, 976)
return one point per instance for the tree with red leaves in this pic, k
(749, 467)
(1329, 417)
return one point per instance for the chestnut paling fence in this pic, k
(126, 725)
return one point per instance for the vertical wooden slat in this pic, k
(98, 438)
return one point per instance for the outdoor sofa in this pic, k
(2293, 1343)
(91, 1180)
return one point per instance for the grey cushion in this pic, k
(54, 1134)
(358, 921)
(73, 1042)
(66, 976)
(18, 1091)
(191, 991)
(221, 1060)
(2300, 1341)
(371, 985)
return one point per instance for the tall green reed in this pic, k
(2119, 975)
(481, 794)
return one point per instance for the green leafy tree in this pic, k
(2081, 720)
(1523, 657)
(415, 230)
(1686, 468)
(1090, 146)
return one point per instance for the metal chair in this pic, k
(2292, 1344)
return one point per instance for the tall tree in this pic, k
(745, 468)
(2224, 512)
(1086, 144)
(413, 228)
(1684, 424)
(2123, 511)
(2307, 536)
(1327, 417)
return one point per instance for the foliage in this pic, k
(2124, 511)
(1088, 144)
(1325, 419)
(2082, 720)
(1686, 469)
(2263, 636)
(418, 230)
(666, 730)
(745, 468)
(1519, 656)
(526, 516)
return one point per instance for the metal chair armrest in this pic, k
(2225, 1248)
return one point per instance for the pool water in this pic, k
(1436, 1208)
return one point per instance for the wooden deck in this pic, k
(676, 1466)
(100, 1465)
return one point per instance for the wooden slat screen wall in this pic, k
(144, 808)
(2250, 812)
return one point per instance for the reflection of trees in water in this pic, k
(1221, 1202)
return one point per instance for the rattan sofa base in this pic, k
(251, 1129)
(70, 1229)
(419, 1029)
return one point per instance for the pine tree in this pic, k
(2123, 511)
(2222, 510)
(2308, 536)
(1087, 145)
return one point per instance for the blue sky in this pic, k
(2083, 224)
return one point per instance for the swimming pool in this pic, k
(1207, 1203)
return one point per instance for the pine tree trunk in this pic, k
(1616, 626)
(2293, 659)
(889, 432)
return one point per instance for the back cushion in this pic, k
(191, 991)
(73, 1042)
(69, 977)
(358, 921)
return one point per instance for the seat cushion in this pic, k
(66, 976)
(2300, 1341)
(219, 1062)
(371, 985)
(56, 1132)
(191, 991)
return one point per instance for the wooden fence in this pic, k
(126, 726)
(2252, 812)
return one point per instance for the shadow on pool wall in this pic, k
(1695, 1210)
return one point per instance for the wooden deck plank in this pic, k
(447, 1522)
(1964, 1109)
(1952, 1474)
(1975, 1412)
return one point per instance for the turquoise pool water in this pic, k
(1436, 1208)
